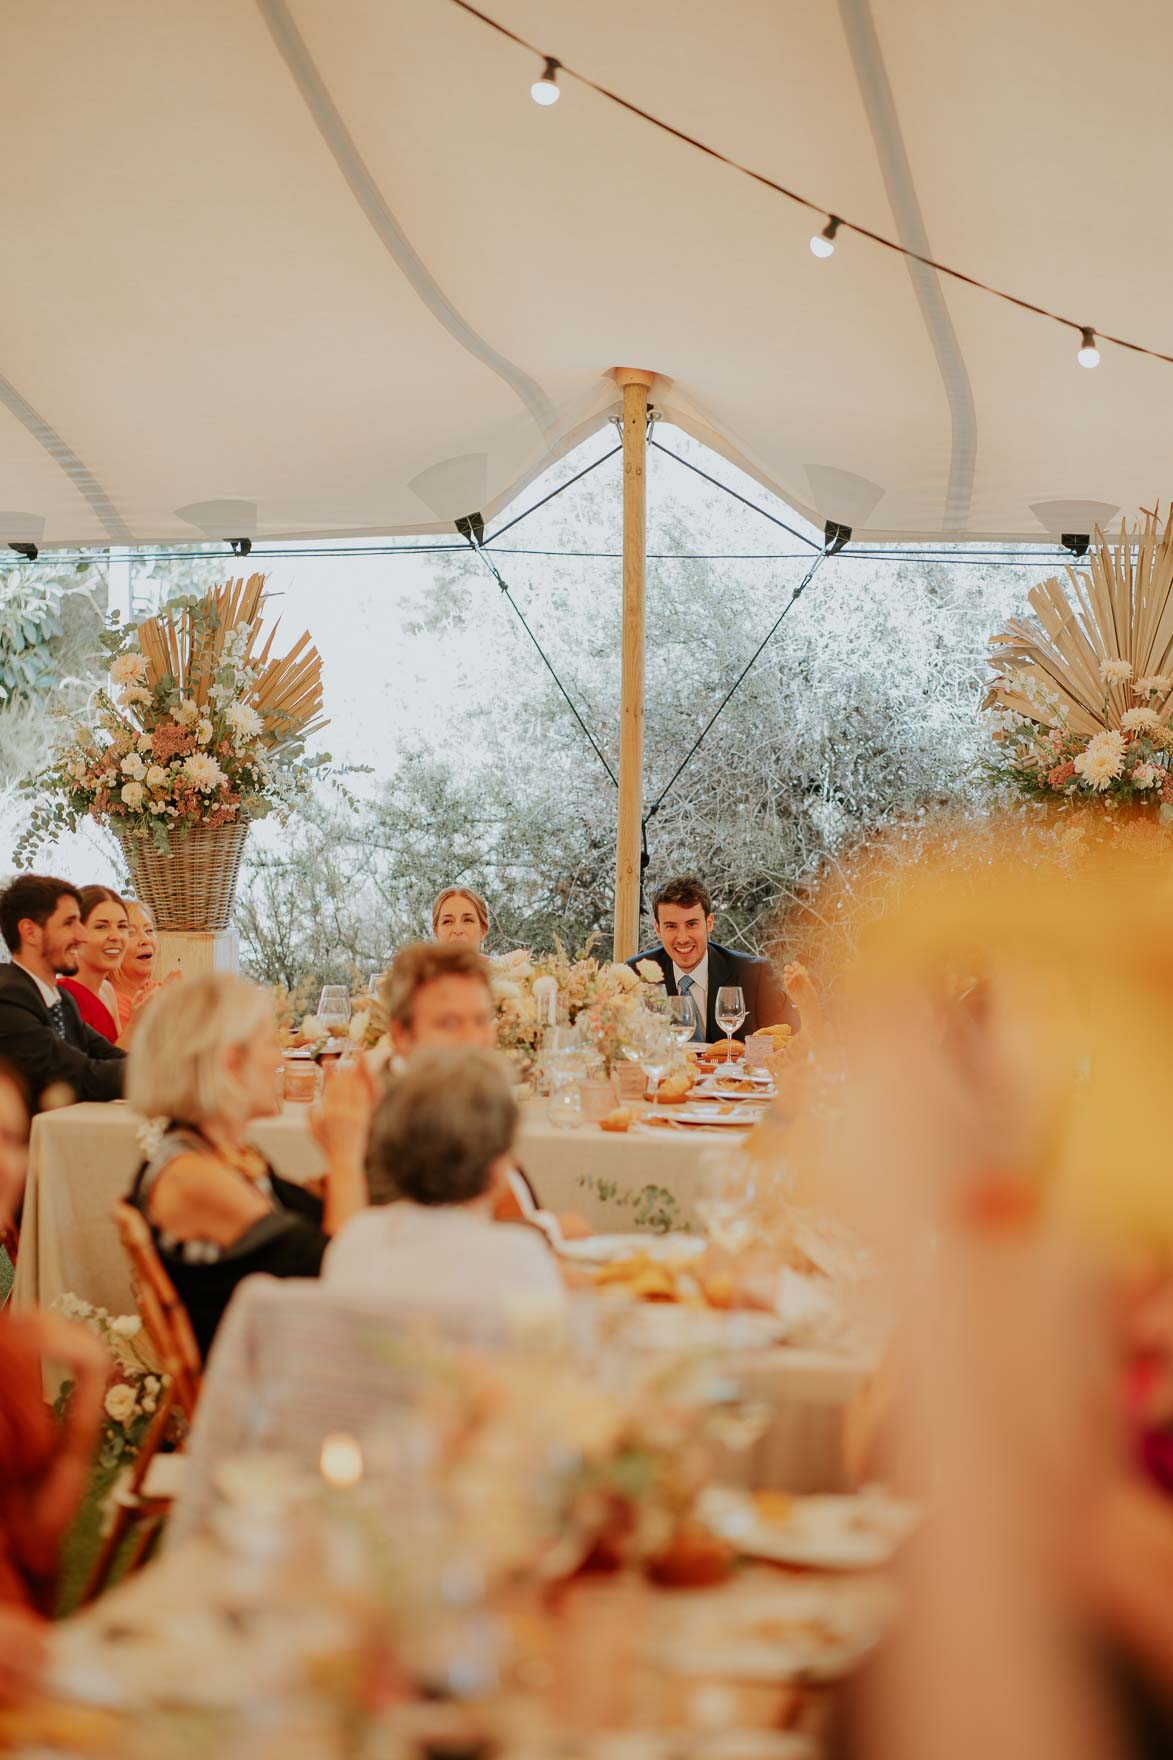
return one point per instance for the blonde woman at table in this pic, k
(133, 982)
(459, 914)
(44, 1470)
(203, 1069)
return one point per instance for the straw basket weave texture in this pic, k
(194, 887)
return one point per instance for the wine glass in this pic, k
(656, 1000)
(334, 1009)
(731, 1010)
(680, 1015)
(658, 1050)
(373, 983)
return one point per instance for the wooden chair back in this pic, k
(163, 1314)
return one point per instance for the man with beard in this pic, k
(42, 1033)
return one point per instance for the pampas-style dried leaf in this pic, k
(1119, 608)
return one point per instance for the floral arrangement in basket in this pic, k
(199, 725)
(135, 1382)
(1082, 701)
(605, 994)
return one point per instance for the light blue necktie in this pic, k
(698, 1026)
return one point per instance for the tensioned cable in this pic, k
(479, 550)
(745, 502)
(966, 558)
(803, 584)
(802, 201)
(553, 492)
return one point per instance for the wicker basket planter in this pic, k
(194, 887)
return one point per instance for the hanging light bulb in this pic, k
(1089, 354)
(823, 243)
(545, 90)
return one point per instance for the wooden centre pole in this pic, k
(636, 384)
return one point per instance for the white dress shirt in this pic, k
(700, 988)
(424, 1258)
(50, 995)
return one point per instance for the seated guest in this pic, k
(204, 1067)
(440, 995)
(104, 919)
(42, 1034)
(44, 1468)
(134, 980)
(460, 914)
(696, 967)
(443, 1133)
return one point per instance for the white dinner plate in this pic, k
(825, 1533)
(703, 1115)
(605, 1249)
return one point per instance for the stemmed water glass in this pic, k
(334, 1010)
(731, 1009)
(657, 1050)
(680, 1015)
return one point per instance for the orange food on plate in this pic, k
(618, 1120)
(725, 1050)
(718, 1289)
(773, 1506)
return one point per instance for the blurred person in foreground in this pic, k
(461, 915)
(444, 1133)
(203, 1070)
(999, 1137)
(440, 995)
(44, 1468)
(42, 1033)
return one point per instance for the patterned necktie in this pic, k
(57, 1017)
(698, 1026)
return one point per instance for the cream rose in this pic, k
(120, 1403)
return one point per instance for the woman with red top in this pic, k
(44, 1468)
(107, 928)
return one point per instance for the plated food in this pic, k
(855, 1533)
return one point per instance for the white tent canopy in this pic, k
(308, 268)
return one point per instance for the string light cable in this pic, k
(823, 243)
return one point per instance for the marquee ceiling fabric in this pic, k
(321, 268)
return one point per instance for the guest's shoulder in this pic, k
(15, 983)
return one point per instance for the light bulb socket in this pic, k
(832, 227)
(1088, 354)
(545, 90)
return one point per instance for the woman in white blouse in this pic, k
(445, 1128)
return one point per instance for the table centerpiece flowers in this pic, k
(601, 995)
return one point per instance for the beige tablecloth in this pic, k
(83, 1159)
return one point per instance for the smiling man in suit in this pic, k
(696, 967)
(41, 1032)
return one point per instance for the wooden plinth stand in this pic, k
(195, 954)
(636, 384)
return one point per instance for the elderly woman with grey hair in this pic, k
(204, 1067)
(442, 1137)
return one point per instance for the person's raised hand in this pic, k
(341, 1120)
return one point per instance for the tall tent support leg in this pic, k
(636, 384)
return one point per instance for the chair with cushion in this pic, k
(154, 1482)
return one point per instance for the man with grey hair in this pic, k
(445, 1129)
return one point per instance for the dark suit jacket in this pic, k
(765, 1000)
(84, 1060)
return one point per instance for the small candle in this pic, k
(341, 1461)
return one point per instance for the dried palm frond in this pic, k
(186, 646)
(1122, 610)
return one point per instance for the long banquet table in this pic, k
(83, 1158)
